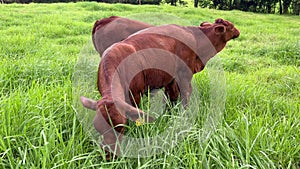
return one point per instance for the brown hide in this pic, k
(114, 29)
(164, 56)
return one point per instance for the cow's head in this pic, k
(107, 115)
(219, 32)
(222, 28)
(226, 29)
(108, 122)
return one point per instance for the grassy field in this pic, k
(40, 44)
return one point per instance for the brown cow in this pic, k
(152, 58)
(108, 31)
(114, 29)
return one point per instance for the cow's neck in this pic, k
(217, 41)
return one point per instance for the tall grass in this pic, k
(39, 127)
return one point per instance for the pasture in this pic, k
(41, 44)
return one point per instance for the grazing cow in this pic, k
(157, 57)
(114, 29)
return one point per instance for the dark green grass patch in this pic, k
(39, 127)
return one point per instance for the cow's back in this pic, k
(114, 29)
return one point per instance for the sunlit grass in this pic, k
(42, 43)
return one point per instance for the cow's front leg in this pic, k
(184, 78)
(135, 98)
(172, 92)
(185, 93)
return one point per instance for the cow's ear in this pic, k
(88, 103)
(220, 29)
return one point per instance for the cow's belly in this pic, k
(148, 80)
(155, 79)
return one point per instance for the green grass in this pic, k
(42, 43)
